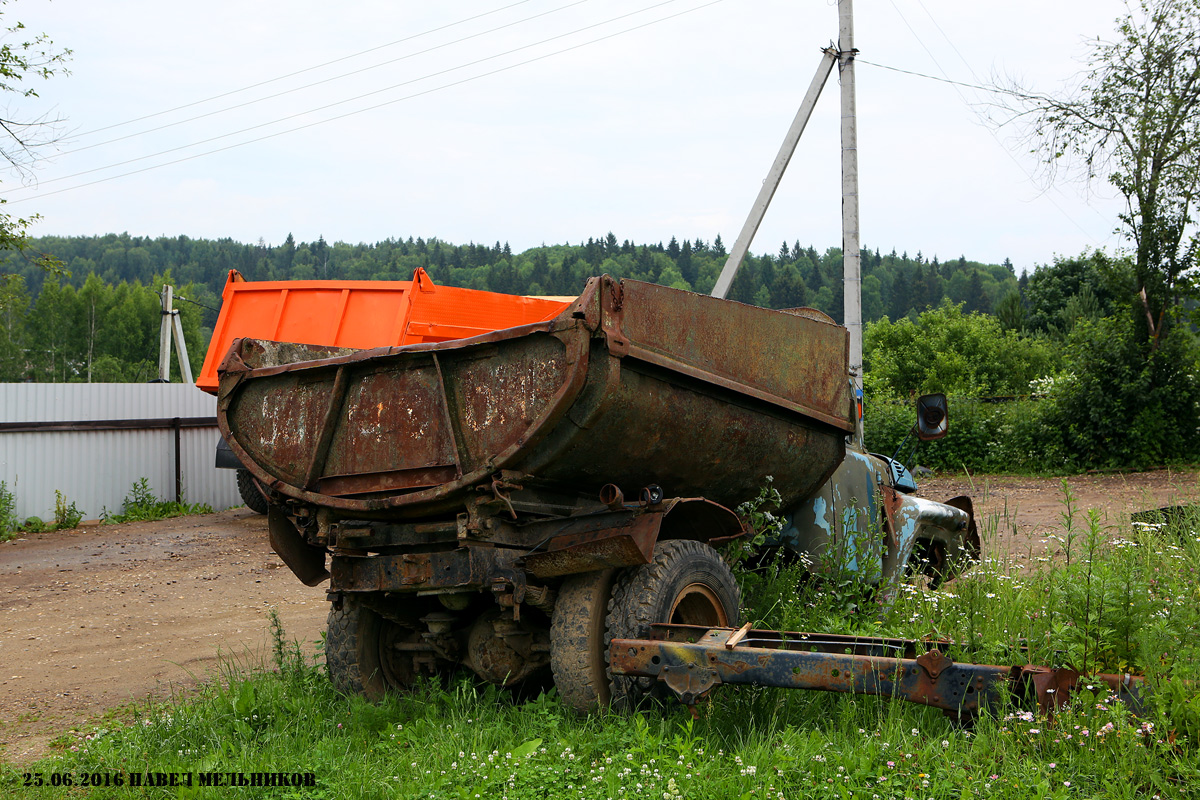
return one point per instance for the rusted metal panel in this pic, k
(304, 560)
(799, 363)
(603, 548)
(841, 525)
(632, 385)
(692, 660)
(465, 567)
(392, 428)
(860, 521)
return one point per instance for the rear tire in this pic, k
(360, 652)
(251, 495)
(577, 640)
(685, 583)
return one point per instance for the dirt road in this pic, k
(1017, 515)
(100, 617)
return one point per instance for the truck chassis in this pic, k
(692, 660)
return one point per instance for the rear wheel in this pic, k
(577, 640)
(361, 653)
(251, 495)
(685, 583)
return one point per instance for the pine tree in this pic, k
(686, 268)
(673, 249)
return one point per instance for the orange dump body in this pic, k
(361, 314)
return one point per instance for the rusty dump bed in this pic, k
(632, 384)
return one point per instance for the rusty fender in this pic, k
(692, 660)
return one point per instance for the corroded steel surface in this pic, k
(692, 660)
(633, 385)
(546, 549)
(770, 354)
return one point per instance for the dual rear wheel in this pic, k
(685, 583)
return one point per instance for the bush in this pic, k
(1115, 404)
(1123, 406)
(948, 351)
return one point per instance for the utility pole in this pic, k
(843, 55)
(851, 249)
(171, 328)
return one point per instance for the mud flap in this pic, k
(306, 561)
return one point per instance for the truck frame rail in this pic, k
(692, 660)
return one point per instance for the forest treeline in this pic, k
(97, 318)
(1064, 337)
(894, 284)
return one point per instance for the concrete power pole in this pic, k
(170, 328)
(851, 249)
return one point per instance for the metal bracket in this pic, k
(690, 682)
(509, 591)
(934, 663)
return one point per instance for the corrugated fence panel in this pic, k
(96, 469)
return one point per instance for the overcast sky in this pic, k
(666, 129)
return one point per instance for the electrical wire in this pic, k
(1008, 92)
(993, 89)
(302, 71)
(949, 41)
(956, 84)
(320, 82)
(35, 193)
(193, 302)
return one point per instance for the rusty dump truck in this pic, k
(516, 499)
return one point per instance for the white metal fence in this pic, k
(104, 437)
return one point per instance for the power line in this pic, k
(340, 103)
(1010, 93)
(315, 83)
(374, 107)
(949, 41)
(302, 71)
(993, 89)
(193, 302)
(992, 133)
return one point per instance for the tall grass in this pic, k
(1128, 599)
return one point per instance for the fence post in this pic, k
(175, 426)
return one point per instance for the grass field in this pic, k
(1116, 600)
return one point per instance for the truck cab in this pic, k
(867, 519)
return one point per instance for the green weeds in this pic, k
(9, 524)
(66, 515)
(142, 506)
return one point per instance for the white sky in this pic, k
(666, 130)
